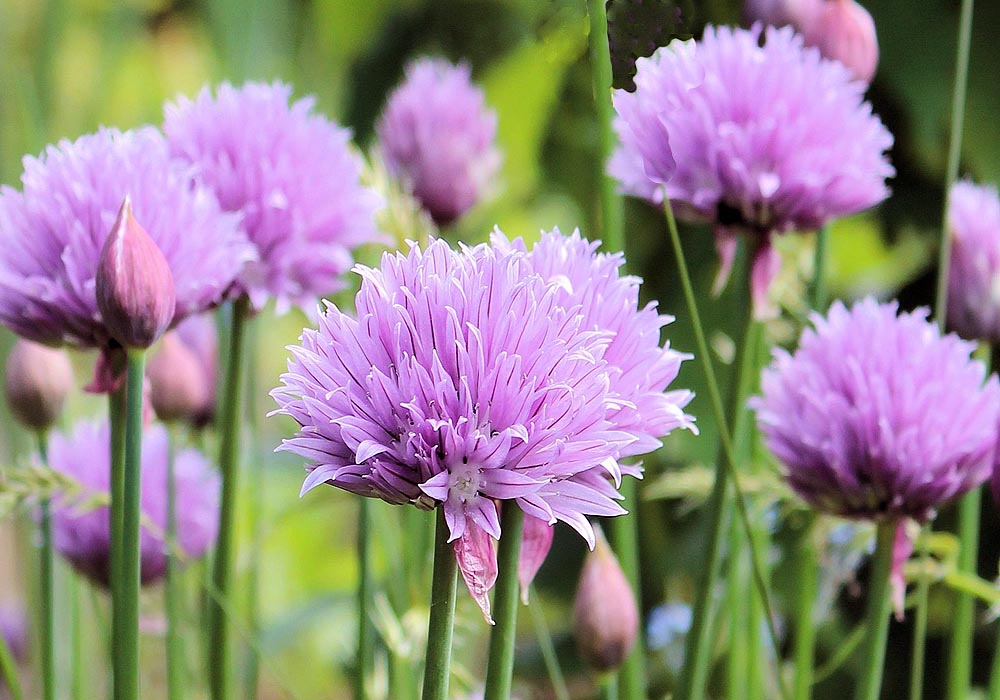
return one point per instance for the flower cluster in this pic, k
(468, 378)
(290, 173)
(974, 275)
(81, 531)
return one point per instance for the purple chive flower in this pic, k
(55, 228)
(438, 136)
(466, 380)
(291, 173)
(755, 139)
(877, 416)
(81, 530)
(643, 367)
(974, 275)
(798, 13)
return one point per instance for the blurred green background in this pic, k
(67, 66)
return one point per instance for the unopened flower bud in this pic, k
(135, 288)
(38, 380)
(844, 31)
(177, 382)
(605, 615)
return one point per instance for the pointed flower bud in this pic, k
(844, 31)
(135, 288)
(37, 383)
(605, 615)
(178, 390)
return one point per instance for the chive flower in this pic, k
(974, 274)
(292, 175)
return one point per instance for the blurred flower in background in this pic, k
(438, 136)
(80, 519)
(292, 175)
(36, 383)
(974, 275)
(182, 372)
(14, 628)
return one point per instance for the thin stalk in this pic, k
(698, 645)
(954, 152)
(547, 648)
(126, 608)
(807, 581)
(77, 675)
(963, 621)
(818, 294)
(116, 415)
(878, 612)
(176, 667)
(625, 540)
(737, 661)
(366, 631)
(609, 687)
(612, 206)
(252, 671)
(230, 422)
(437, 666)
(500, 666)
(47, 582)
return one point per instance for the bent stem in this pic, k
(230, 422)
(47, 584)
(698, 646)
(500, 667)
(437, 664)
(878, 611)
(176, 671)
(366, 633)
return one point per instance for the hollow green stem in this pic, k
(116, 416)
(252, 671)
(547, 648)
(807, 581)
(878, 612)
(46, 581)
(437, 666)
(818, 294)
(230, 423)
(126, 605)
(176, 666)
(737, 661)
(918, 652)
(500, 666)
(609, 687)
(625, 540)
(366, 631)
(963, 622)
(954, 152)
(78, 679)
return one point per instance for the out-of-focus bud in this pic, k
(974, 272)
(200, 335)
(605, 615)
(135, 288)
(176, 381)
(38, 380)
(844, 31)
(798, 13)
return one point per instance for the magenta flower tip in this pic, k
(135, 289)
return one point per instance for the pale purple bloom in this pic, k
(439, 137)
(53, 231)
(877, 416)
(466, 379)
(974, 275)
(81, 530)
(293, 176)
(755, 139)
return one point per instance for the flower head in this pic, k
(37, 381)
(291, 173)
(55, 228)
(877, 416)
(764, 138)
(438, 136)
(81, 531)
(467, 379)
(974, 275)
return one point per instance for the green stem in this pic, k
(963, 622)
(625, 537)
(698, 647)
(547, 648)
(176, 671)
(366, 633)
(737, 661)
(954, 153)
(230, 422)
(609, 687)
(126, 606)
(918, 653)
(77, 673)
(47, 583)
(818, 294)
(252, 672)
(437, 666)
(807, 581)
(878, 612)
(500, 667)
(116, 415)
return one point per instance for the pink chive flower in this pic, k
(757, 140)
(877, 416)
(644, 368)
(974, 274)
(81, 530)
(54, 230)
(465, 381)
(438, 136)
(293, 176)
